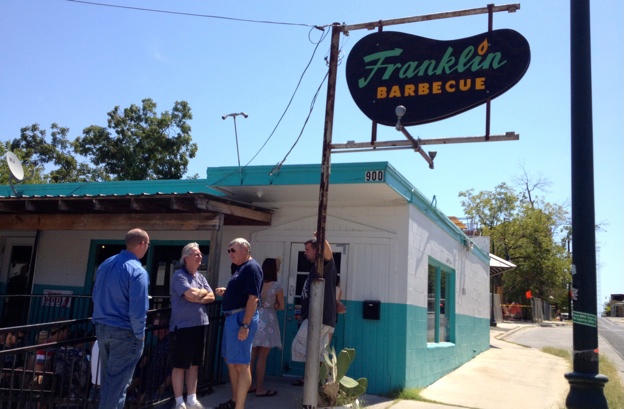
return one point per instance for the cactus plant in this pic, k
(337, 388)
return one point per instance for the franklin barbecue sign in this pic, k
(432, 79)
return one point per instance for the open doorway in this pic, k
(16, 264)
(299, 268)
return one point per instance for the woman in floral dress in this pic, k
(268, 334)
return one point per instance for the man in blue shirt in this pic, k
(121, 301)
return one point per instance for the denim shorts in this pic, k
(233, 350)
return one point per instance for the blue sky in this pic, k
(71, 63)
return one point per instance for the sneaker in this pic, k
(180, 406)
(195, 405)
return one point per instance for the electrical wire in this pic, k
(91, 3)
(322, 37)
(317, 44)
(292, 96)
(279, 165)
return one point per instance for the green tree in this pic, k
(145, 146)
(36, 153)
(140, 145)
(606, 311)
(528, 231)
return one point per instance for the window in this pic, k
(440, 303)
(160, 261)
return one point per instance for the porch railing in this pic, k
(58, 374)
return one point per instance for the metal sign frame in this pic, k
(311, 371)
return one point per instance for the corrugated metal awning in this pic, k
(499, 265)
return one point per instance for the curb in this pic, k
(520, 327)
(508, 333)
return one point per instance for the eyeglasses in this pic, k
(196, 255)
(232, 250)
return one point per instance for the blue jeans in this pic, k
(120, 351)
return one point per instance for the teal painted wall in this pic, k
(380, 345)
(392, 353)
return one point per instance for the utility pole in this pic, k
(586, 386)
(316, 306)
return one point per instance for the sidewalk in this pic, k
(505, 376)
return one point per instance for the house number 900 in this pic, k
(374, 176)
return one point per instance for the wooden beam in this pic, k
(11, 207)
(106, 205)
(263, 217)
(182, 204)
(214, 256)
(123, 222)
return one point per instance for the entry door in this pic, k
(16, 276)
(299, 268)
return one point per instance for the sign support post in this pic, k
(586, 386)
(316, 306)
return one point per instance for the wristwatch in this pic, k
(246, 326)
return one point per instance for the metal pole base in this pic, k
(586, 391)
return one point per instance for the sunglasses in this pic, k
(232, 250)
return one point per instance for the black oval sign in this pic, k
(433, 79)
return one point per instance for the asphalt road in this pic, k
(610, 339)
(613, 333)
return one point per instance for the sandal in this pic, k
(299, 382)
(267, 394)
(227, 405)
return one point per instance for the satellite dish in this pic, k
(15, 166)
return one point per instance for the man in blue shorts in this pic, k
(240, 303)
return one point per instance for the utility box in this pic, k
(371, 310)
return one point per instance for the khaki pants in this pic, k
(298, 348)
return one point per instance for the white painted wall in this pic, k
(471, 273)
(374, 269)
(387, 254)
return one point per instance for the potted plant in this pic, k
(337, 389)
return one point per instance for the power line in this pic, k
(279, 165)
(313, 27)
(91, 3)
(292, 96)
(324, 33)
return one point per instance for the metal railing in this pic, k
(18, 310)
(57, 373)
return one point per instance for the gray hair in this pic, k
(241, 242)
(187, 251)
